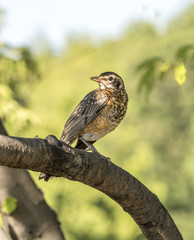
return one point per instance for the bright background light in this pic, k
(58, 19)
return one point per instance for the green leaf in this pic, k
(148, 63)
(180, 74)
(1, 222)
(9, 205)
(185, 52)
(147, 81)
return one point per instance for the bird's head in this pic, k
(109, 80)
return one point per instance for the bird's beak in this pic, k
(96, 79)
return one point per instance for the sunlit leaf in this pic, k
(9, 205)
(164, 69)
(180, 74)
(165, 66)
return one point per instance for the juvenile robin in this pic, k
(99, 113)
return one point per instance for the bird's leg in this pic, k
(93, 149)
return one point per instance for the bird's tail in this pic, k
(66, 139)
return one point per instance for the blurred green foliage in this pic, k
(9, 205)
(158, 68)
(18, 72)
(155, 140)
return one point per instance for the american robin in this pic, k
(98, 113)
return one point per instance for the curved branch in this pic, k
(55, 158)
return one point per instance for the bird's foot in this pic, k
(94, 150)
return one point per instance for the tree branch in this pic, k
(55, 158)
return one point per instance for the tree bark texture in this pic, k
(57, 159)
(32, 219)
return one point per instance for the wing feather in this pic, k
(84, 113)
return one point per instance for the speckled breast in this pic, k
(109, 118)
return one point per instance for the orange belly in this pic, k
(100, 126)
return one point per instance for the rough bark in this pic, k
(32, 219)
(60, 160)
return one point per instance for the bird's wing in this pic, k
(84, 113)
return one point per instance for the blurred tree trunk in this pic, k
(32, 219)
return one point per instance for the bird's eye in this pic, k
(110, 78)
